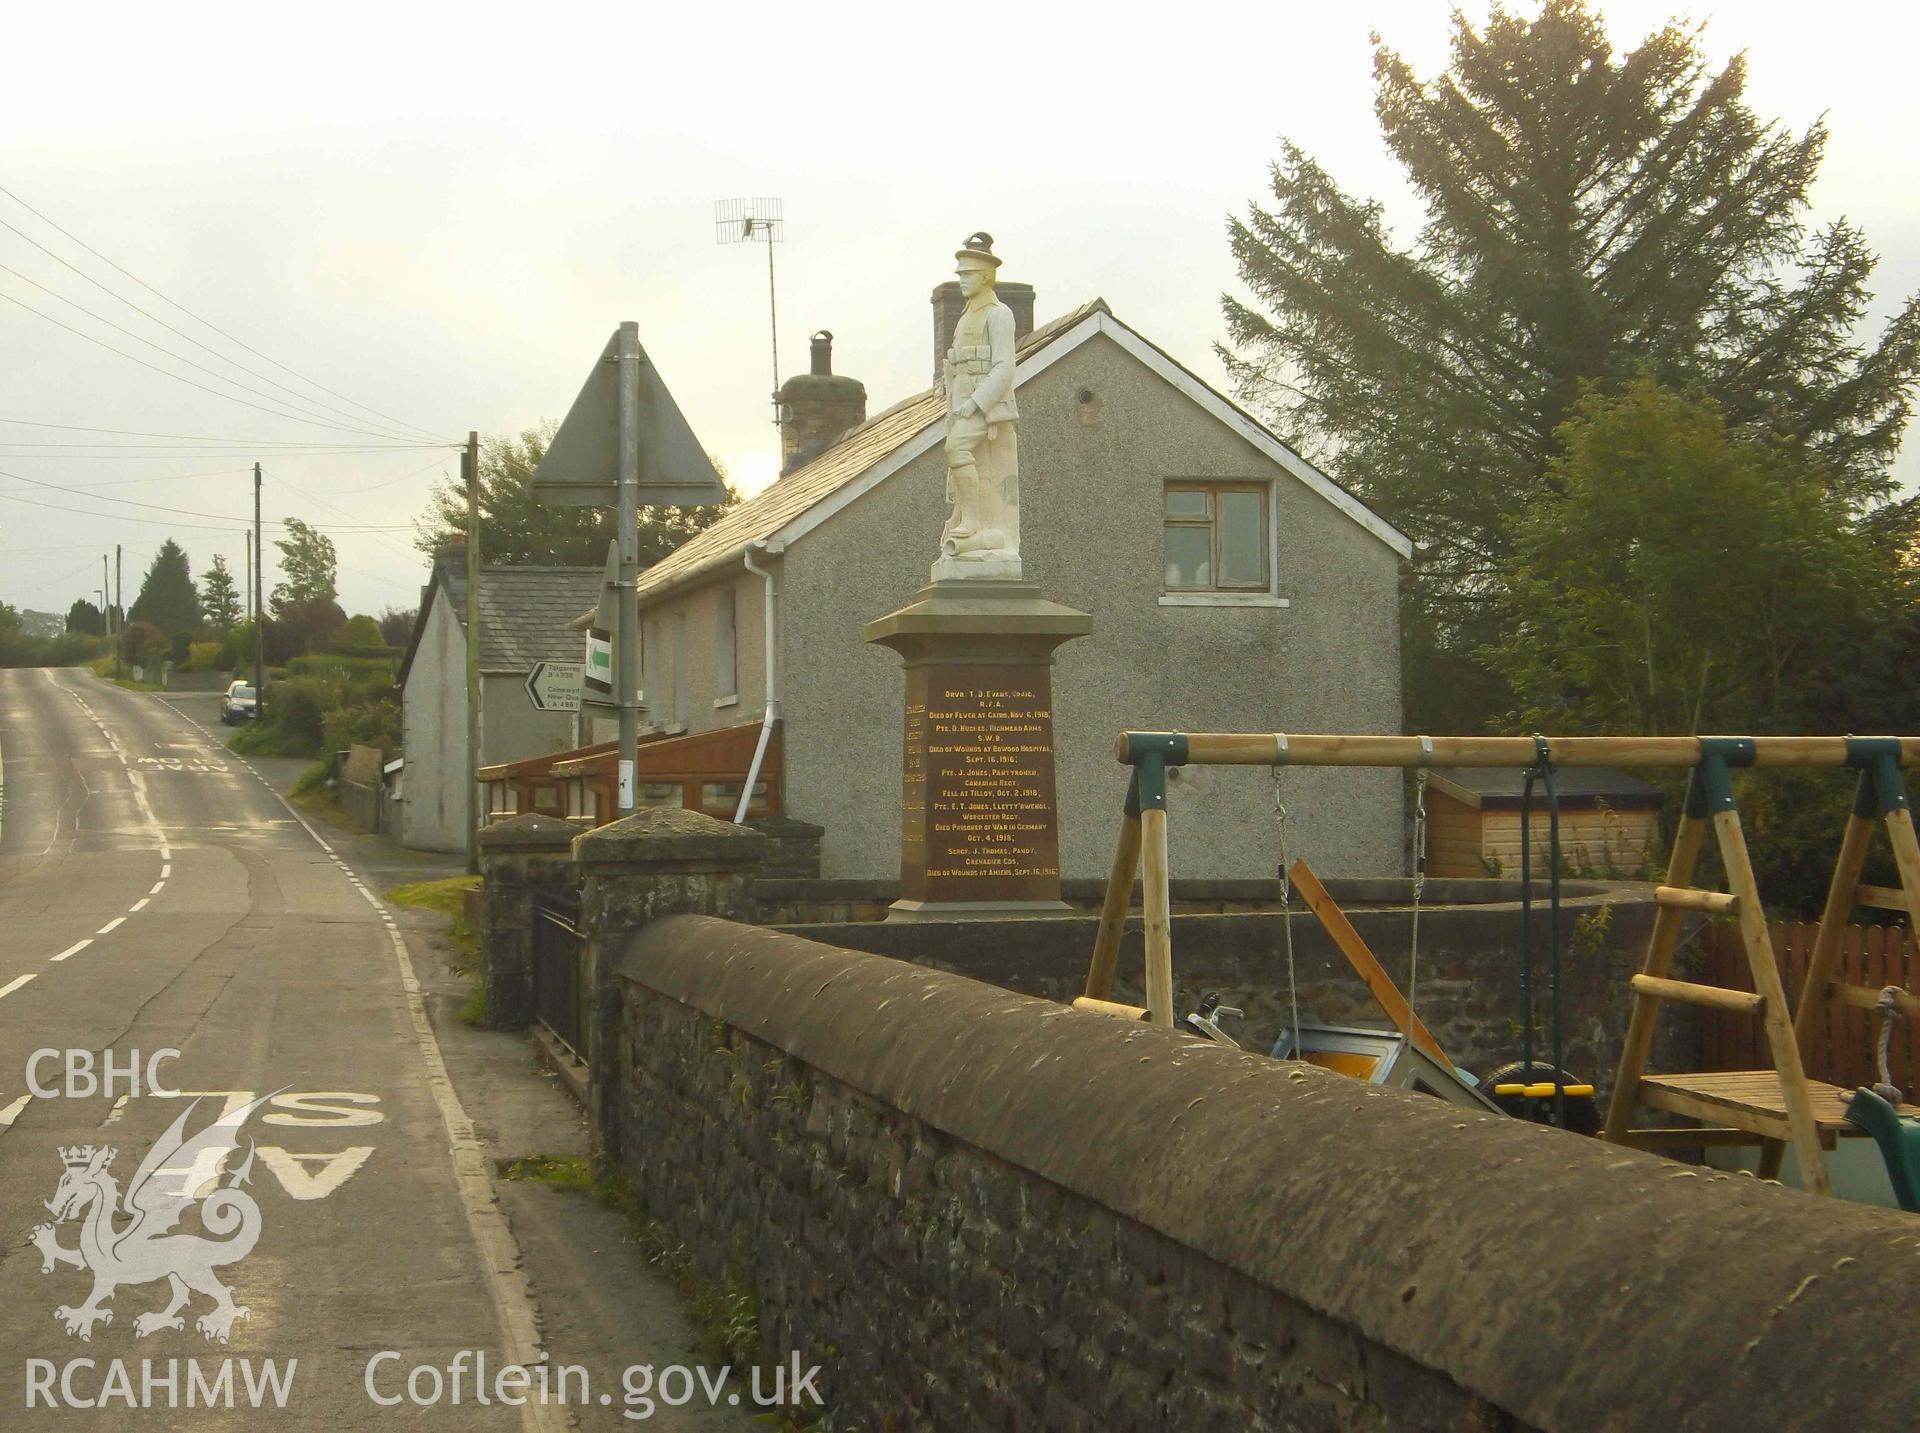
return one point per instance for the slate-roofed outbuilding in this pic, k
(526, 613)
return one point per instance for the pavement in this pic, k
(301, 1217)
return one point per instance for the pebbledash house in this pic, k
(1233, 587)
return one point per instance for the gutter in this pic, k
(769, 608)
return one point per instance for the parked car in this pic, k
(239, 704)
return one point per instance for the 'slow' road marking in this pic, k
(16, 983)
(75, 948)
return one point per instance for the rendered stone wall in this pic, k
(977, 1210)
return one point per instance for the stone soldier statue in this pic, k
(982, 534)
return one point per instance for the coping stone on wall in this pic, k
(1572, 1283)
(531, 831)
(670, 837)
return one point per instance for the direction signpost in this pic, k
(624, 442)
(556, 686)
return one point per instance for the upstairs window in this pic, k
(1216, 537)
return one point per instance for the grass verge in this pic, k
(312, 793)
(724, 1313)
(447, 897)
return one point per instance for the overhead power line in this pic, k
(176, 377)
(230, 442)
(225, 518)
(317, 413)
(205, 323)
(294, 393)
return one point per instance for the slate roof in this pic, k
(526, 613)
(1500, 787)
(855, 452)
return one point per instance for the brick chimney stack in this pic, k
(948, 306)
(816, 407)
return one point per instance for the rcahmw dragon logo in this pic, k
(132, 1241)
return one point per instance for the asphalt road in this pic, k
(154, 896)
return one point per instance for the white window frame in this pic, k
(1226, 597)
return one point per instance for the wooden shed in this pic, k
(1609, 822)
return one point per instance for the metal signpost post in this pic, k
(625, 443)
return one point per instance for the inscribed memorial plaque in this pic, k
(978, 821)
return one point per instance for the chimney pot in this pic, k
(816, 407)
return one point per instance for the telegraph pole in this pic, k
(120, 640)
(259, 626)
(627, 658)
(246, 582)
(470, 466)
(106, 595)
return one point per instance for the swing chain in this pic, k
(1286, 905)
(1419, 884)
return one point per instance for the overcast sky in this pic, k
(443, 215)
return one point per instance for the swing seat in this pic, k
(1750, 1100)
(1898, 1136)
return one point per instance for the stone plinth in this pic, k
(521, 860)
(661, 862)
(979, 828)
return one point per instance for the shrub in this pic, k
(203, 657)
(368, 722)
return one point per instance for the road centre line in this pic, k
(16, 983)
(75, 948)
(139, 905)
(12, 1111)
(111, 926)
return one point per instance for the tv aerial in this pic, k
(756, 221)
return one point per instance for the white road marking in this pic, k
(75, 948)
(498, 1253)
(113, 1115)
(16, 983)
(12, 1111)
(156, 886)
(139, 905)
(166, 869)
(111, 926)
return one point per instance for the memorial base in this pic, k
(979, 830)
(904, 910)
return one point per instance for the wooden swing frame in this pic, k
(1776, 1108)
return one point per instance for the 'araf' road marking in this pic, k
(111, 926)
(75, 948)
(15, 984)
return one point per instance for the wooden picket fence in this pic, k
(1844, 1053)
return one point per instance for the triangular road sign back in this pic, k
(581, 465)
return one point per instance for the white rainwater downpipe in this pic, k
(770, 593)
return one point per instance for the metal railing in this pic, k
(560, 994)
